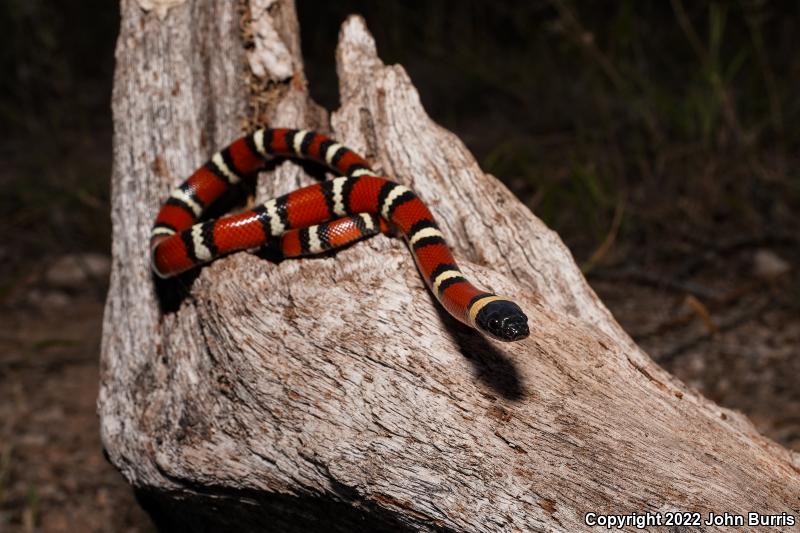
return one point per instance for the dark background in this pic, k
(657, 138)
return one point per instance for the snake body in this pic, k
(317, 218)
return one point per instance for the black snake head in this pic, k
(503, 320)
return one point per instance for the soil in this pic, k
(53, 474)
(723, 326)
(740, 350)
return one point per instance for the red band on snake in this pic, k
(317, 218)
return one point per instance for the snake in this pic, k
(318, 218)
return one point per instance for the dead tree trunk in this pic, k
(332, 393)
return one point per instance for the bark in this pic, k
(333, 393)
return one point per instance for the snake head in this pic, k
(503, 320)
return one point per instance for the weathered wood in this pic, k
(333, 393)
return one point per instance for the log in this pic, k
(333, 393)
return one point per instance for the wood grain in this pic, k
(332, 393)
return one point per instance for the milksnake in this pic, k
(317, 218)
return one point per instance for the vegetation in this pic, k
(57, 60)
(646, 133)
(620, 123)
(673, 113)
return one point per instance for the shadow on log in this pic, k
(333, 393)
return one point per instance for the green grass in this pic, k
(675, 110)
(680, 111)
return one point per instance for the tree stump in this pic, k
(333, 393)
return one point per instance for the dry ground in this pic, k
(54, 477)
(549, 122)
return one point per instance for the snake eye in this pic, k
(503, 320)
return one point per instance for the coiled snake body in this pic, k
(317, 218)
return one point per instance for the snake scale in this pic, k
(317, 218)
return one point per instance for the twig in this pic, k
(704, 311)
(701, 310)
(634, 275)
(776, 113)
(585, 39)
(713, 251)
(728, 107)
(748, 314)
(609, 240)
